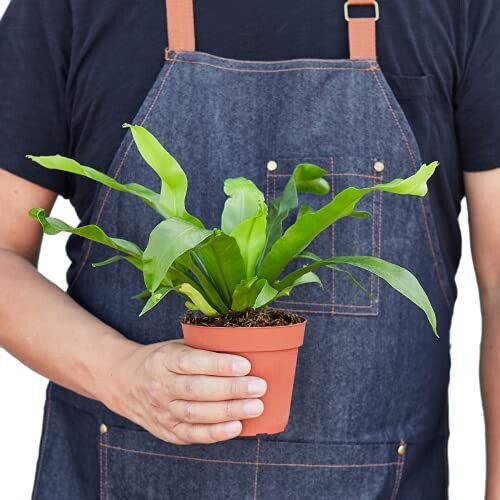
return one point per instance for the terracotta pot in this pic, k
(272, 352)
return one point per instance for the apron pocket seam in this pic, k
(330, 306)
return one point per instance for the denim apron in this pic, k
(369, 412)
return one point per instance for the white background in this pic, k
(22, 392)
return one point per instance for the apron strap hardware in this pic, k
(362, 39)
(180, 26)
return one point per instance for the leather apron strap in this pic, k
(362, 39)
(180, 25)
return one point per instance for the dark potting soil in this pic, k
(261, 317)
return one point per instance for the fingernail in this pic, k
(240, 366)
(232, 428)
(253, 408)
(257, 387)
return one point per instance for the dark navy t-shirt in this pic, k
(72, 71)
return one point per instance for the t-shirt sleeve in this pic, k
(477, 98)
(35, 44)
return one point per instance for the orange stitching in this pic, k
(238, 462)
(413, 160)
(274, 188)
(101, 482)
(399, 476)
(279, 61)
(257, 455)
(379, 243)
(46, 431)
(350, 174)
(373, 239)
(332, 304)
(284, 70)
(268, 201)
(403, 135)
(106, 484)
(345, 313)
(101, 209)
(332, 186)
(324, 304)
(337, 312)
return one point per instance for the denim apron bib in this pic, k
(369, 412)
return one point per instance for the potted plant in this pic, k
(232, 274)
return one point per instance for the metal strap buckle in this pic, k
(375, 5)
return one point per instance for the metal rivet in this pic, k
(103, 428)
(402, 449)
(379, 166)
(272, 165)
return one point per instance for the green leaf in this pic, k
(174, 276)
(197, 299)
(204, 284)
(246, 293)
(155, 299)
(52, 226)
(306, 279)
(116, 258)
(168, 241)
(306, 178)
(220, 259)
(266, 295)
(274, 294)
(244, 202)
(58, 162)
(312, 256)
(173, 179)
(250, 234)
(398, 277)
(355, 282)
(177, 275)
(300, 234)
(304, 209)
(143, 295)
(360, 214)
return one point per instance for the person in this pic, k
(368, 92)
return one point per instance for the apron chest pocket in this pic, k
(348, 236)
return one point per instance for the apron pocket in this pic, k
(415, 94)
(368, 471)
(348, 236)
(135, 464)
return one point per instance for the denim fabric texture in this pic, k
(368, 376)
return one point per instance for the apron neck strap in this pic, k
(362, 40)
(180, 26)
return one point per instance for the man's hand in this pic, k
(180, 394)
(483, 201)
(184, 395)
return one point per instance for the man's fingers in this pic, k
(207, 433)
(196, 412)
(188, 361)
(207, 388)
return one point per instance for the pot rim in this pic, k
(291, 325)
(245, 339)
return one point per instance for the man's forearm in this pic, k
(49, 332)
(490, 387)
